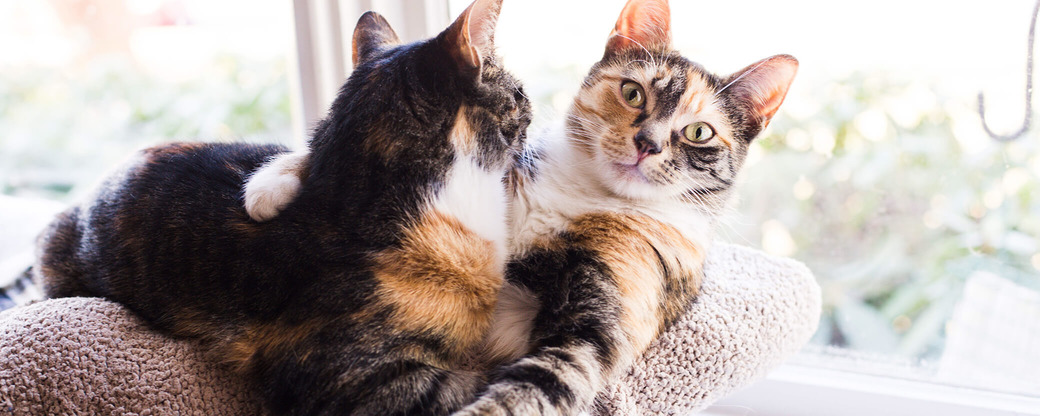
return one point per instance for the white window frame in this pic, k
(803, 390)
(323, 31)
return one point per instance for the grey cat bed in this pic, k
(91, 356)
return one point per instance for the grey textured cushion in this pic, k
(91, 356)
(754, 311)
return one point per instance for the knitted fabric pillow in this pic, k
(92, 356)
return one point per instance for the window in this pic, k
(85, 83)
(923, 231)
(877, 173)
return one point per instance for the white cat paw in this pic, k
(269, 191)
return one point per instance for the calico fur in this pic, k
(366, 291)
(611, 214)
(610, 223)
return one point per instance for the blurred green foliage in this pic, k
(61, 129)
(892, 195)
(887, 190)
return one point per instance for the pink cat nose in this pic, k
(645, 146)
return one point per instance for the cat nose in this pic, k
(645, 146)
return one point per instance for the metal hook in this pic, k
(1029, 90)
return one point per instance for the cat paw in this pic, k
(512, 400)
(483, 407)
(272, 188)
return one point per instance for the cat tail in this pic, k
(20, 291)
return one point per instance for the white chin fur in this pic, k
(272, 187)
(632, 184)
(569, 185)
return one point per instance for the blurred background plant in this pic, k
(876, 172)
(60, 130)
(894, 198)
(892, 194)
(87, 82)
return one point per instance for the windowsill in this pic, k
(808, 391)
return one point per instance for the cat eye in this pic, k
(698, 132)
(633, 94)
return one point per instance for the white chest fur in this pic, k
(567, 187)
(562, 191)
(477, 199)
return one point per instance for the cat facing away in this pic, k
(610, 215)
(362, 296)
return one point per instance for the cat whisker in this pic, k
(521, 92)
(640, 45)
(575, 117)
(641, 61)
(738, 78)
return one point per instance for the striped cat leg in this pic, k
(554, 381)
(577, 336)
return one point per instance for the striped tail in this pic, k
(20, 292)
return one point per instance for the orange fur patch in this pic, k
(268, 338)
(381, 143)
(238, 346)
(642, 253)
(608, 119)
(443, 279)
(697, 100)
(462, 135)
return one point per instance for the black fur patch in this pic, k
(291, 300)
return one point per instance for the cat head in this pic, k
(657, 125)
(433, 99)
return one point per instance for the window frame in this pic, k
(321, 60)
(320, 66)
(809, 390)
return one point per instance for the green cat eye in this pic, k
(698, 132)
(633, 94)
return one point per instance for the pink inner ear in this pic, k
(372, 32)
(765, 84)
(474, 31)
(642, 24)
(481, 26)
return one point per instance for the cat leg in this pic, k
(559, 381)
(577, 338)
(275, 185)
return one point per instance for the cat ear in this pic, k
(762, 86)
(371, 33)
(471, 38)
(643, 24)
